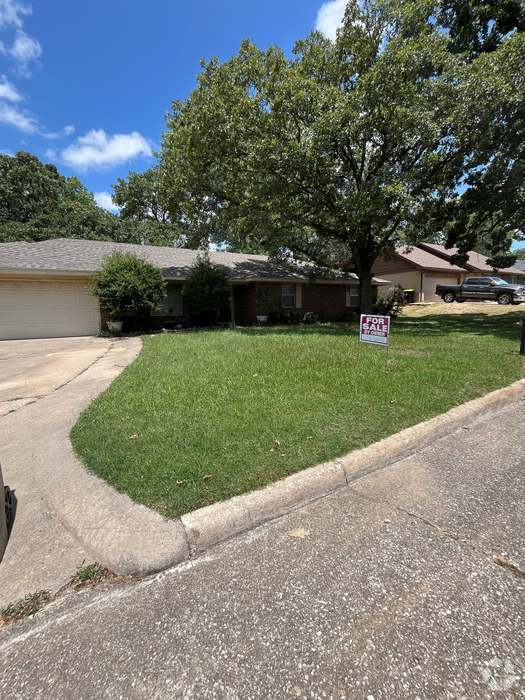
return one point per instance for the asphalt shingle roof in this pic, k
(426, 260)
(76, 255)
(86, 256)
(475, 261)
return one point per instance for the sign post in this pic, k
(375, 329)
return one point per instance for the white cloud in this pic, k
(12, 12)
(103, 199)
(24, 51)
(330, 17)
(24, 48)
(53, 135)
(97, 149)
(20, 120)
(8, 91)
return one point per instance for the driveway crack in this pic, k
(34, 399)
(500, 560)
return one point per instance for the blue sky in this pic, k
(86, 85)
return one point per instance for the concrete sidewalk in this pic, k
(388, 589)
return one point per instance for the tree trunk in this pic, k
(365, 291)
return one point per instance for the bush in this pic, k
(284, 317)
(390, 304)
(310, 318)
(129, 287)
(207, 289)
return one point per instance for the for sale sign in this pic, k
(375, 329)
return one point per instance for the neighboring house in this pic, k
(477, 264)
(418, 270)
(422, 267)
(520, 265)
(44, 287)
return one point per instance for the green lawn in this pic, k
(200, 417)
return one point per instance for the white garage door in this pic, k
(47, 310)
(430, 283)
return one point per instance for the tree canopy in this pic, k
(395, 131)
(479, 26)
(37, 202)
(137, 197)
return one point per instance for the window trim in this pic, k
(292, 295)
(355, 289)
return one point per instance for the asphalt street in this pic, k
(409, 584)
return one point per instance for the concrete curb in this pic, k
(213, 524)
(128, 538)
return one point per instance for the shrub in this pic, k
(129, 287)
(284, 317)
(390, 304)
(310, 318)
(207, 290)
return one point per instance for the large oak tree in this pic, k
(342, 150)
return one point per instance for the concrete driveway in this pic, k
(40, 553)
(32, 369)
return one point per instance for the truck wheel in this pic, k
(449, 297)
(505, 299)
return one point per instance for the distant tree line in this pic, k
(37, 203)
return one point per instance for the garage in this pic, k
(47, 309)
(431, 281)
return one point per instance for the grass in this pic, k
(25, 607)
(200, 417)
(90, 575)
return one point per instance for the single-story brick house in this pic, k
(422, 267)
(44, 287)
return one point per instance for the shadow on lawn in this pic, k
(501, 326)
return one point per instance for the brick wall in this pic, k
(327, 301)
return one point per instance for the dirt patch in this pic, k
(439, 308)
(87, 576)
(25, 607)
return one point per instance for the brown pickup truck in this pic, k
(482, 288)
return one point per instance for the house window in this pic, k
(172, 304)
(288, 296)
(352, 297)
